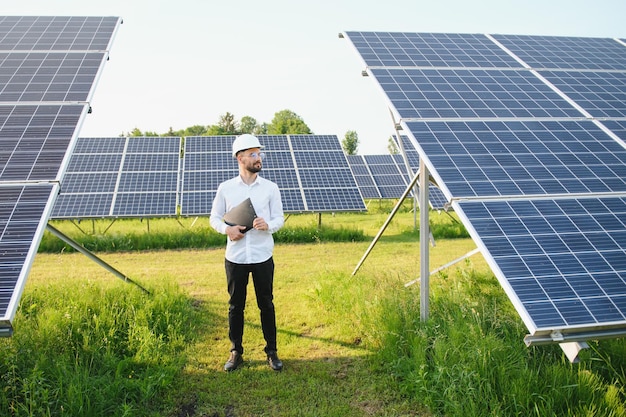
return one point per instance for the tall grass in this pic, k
(468, 359)
(89, 351)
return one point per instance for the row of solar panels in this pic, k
(48, 69)
(525, 136)
(170, 176)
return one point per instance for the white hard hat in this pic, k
(245, 141)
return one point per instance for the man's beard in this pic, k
(254, 169)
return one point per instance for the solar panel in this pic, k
(391, 49)
(48, 76)
(537, 174)
(489, 159)
(57, 33)
(121, 177)
(48, 66)
(466, 93)
(561, 261)
(146, 177)
(565, 52)
(363, 177)
(601, 94)
(311, 172)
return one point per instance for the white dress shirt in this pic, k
(257, 245)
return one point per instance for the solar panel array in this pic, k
(525, 136)
(48, 68)
(169, 176)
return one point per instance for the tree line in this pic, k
(285, 122)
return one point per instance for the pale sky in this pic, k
(179, 63)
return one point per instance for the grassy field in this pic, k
(86, 343)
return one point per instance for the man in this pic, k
(249, 252)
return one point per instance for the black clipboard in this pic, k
(241, 215)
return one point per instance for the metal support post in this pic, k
(92, 256)
(424, 240)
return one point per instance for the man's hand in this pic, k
(260, 224)
(234, 232)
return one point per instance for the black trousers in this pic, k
(237, 276)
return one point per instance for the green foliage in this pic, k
(468, 359)
(287, 122)
(107, 352)
(392, 147)
(350, 143)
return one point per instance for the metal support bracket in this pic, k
(92, 256)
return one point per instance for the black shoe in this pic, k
(273, 361)
(234, 361)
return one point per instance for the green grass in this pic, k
(86, 343)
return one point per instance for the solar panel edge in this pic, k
(29, 256)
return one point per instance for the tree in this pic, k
(350, 143)
(392, 147)
(248, 125)
(287, 122)
(195, 130)
(228, 124)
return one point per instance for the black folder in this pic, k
(241, 215)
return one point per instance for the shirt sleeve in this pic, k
(277, 217)
(218, 209)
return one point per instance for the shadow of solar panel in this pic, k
(564, 260)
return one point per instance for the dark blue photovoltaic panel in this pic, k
(315, 143)
(57, 33)
(48, 66)
(148, 182)
(342, 199)
(35, 139)
(566, 52)
(472, 159)
(538, 176)
(601, 94)
(102, 170)
(51, 77)
(463, 93)
(82, 205)
(155, 204)
(363, 177)
(100, 146)
(389, 49)
(294, 162)
(279, 160)
(209, 144)
(618, 127)
(564, 261)
(22, 220)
